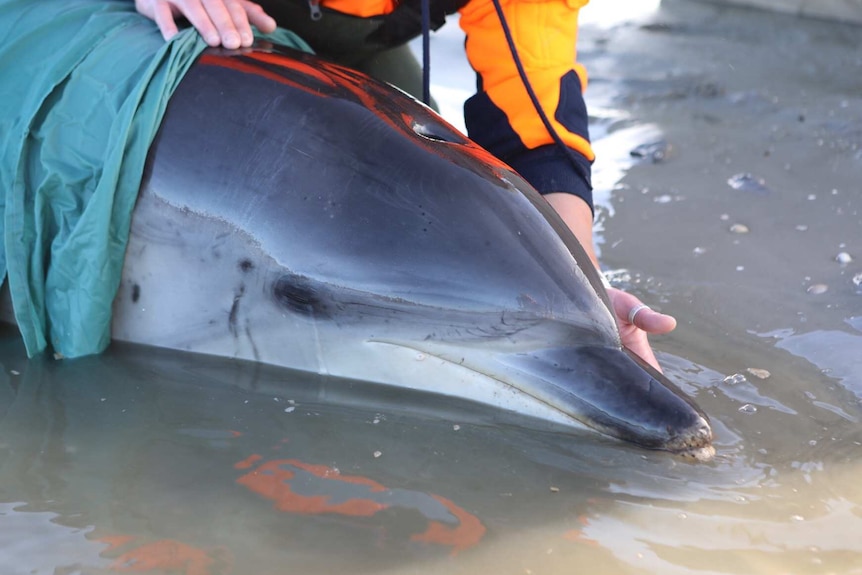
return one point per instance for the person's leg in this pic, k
(342, 39)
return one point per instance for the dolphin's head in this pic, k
(543, 359)
(614, 391)
(359, 235)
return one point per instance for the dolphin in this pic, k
(298, 213)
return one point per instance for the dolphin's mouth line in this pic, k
(694, 443)
(568, 417)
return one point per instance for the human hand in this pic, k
(220, 22)
(635, 321)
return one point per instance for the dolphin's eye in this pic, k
(300, 294)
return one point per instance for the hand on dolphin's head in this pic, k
(636, 320)
(220, 22)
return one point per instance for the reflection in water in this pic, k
(144, 459)
(608, 14)
(615, 148)
(156, 462)
(34, 541)
(308, 489)
(667, 540)
(838, 353)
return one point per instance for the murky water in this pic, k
(153, 462)
(141, 459)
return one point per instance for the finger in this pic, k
(164, 18)
(643, 321)
(652, 321)
(257, 17)
(197, 15)
(220, 13)
(631, 311)
(239, 17)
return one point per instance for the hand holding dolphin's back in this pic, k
(220, 22)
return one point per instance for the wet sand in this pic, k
(847, 11)
(735, 93)
(737, 229)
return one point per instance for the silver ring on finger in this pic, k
(635, 310)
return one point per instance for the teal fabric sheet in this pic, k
(83, 87)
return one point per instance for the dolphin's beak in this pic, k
(615, 392)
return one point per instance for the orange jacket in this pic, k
(501, 116)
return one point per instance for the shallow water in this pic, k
(147, 461)
(142, 457)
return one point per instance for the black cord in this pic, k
(426, 79)
(536, 104)
(426, 52)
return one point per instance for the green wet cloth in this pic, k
(83, 87)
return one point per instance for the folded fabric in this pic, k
(83, 87)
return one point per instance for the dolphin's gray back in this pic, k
(347, 183)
